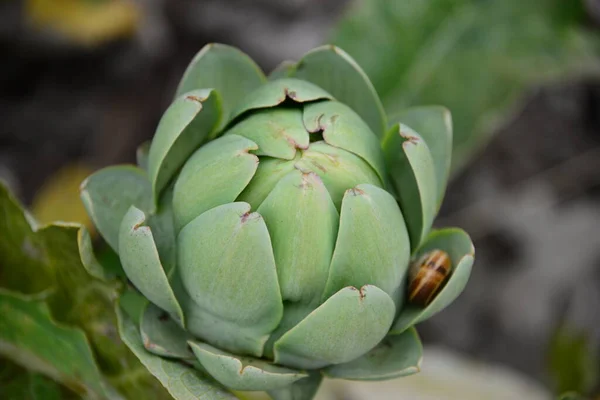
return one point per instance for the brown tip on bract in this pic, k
(249, 216)
(355, 192)
(139, 225)
(409, 138)
(362, 292)
(289, 93)
(245, 216)
(195, 98)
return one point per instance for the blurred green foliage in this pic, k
(571, 396)
(476, 57)
(17, 383)
(572, 362)
(57, 319)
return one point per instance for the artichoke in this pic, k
(271, 224)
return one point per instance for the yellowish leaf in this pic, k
(84, 22)
(58, 199)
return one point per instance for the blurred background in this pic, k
(84, 82)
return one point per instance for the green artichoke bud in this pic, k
(272, 222)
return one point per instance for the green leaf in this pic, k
(17, 383)
(302, 223)
(304, 389)
(214, 175)
(276, 92)
(277, 132)
(475, 57)
(142, 264)
(35, 259)
(141, 155)
(572, 361)
(88, 258)
(335, 71)
(182, 381)
(21, 246)
(396, 356)
(284, 70)
(270, 171)
(434, 124)
(226, 263)
(30, 337)
(227, 70)
(339, 169)
(163, 336)
(412, 174)
(346, 326)
(243, 373)
(372, 245)
(108, 194)
(188, 122)
(341, 127)
(458, 245)
(571, 396)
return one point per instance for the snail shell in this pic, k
(427, 275)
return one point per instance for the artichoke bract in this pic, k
(271, 223)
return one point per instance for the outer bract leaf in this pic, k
(269, 172)
(188, 122)
(372, 246)
(458, 245)
(346, 326)
(227, 70)
(161, 335)
(182, 382)
(293, 313)
(108, 194)
(412, 173)
(304, 389)
(284, 70)
(278, 132)
(163, 230)
(339, 169)
(141, 155)
(341, 127)
(332, 69)
(213, 328)
(141, 262)
(302, 223)
(434, 124)
(214, 175)
(133, 304)
(395, 356)
(30, 337)
(243, 373)
(276, 92)
(88, 259)
(227, 267)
